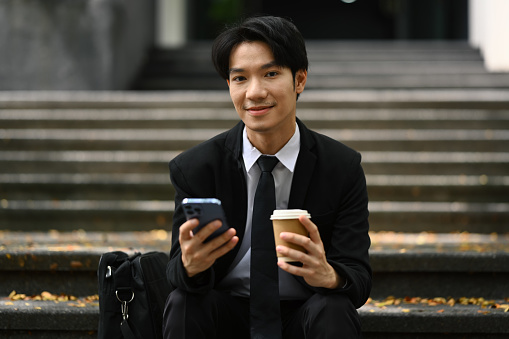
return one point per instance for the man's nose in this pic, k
(256, 90)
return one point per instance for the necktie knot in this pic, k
(267, 163)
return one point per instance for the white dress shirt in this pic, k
(237, 280)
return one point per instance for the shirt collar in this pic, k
(286, 155)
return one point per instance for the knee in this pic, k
(331, 305)
(336, 313)
(182, 300)
(187, 313)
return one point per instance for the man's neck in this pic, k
(269, 143)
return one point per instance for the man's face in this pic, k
(264, 94)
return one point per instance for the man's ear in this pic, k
(228, 82)
(301, 76)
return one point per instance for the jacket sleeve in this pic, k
(349, 252)
(175, 272)
(348, 241)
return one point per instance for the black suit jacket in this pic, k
(328, 182)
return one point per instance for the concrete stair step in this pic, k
(395, 163)
(426, 322)
(203, 118)
(38, 320)
(397, 258)
(423, 265)
(439, 216)
(428, 264)
(47, 319)
(343, 81)
(331, 66)
(487, 140)
(116, 215)
(34, 319)
(406, 81)
(133, 186)
(350, 51)
(316, 99)
(362, 146)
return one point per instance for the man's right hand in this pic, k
(197, 256)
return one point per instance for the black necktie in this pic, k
(265, 315)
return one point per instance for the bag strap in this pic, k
(126, 330)
(125, 295)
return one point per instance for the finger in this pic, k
(207, 230)
(292, 269)
(305, 258)
(225, 248)
(314, 251)
(222, 238)
(314, 234)
(186, 228)
(298, 239)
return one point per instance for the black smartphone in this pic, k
(205, 210)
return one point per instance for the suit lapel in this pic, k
(304, 168)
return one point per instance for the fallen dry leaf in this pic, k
(76, 264)
(47, 296)
(483, 303)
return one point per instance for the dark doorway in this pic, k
(341, 19)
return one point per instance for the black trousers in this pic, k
(219, 315)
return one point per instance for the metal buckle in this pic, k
(123, 305)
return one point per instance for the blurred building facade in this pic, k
(481, 22)
(103, 44)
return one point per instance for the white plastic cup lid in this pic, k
(288, 214)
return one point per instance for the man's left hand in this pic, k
(315, 270)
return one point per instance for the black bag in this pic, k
(132, 294)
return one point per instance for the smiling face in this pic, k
(264, 95)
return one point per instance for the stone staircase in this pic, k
(341, 65)
(83, 173)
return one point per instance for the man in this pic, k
(265, 64)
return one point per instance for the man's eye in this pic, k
(238, 78)
(271, 74)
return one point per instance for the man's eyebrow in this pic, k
(240, 70)
(235, 70)
(269, 65)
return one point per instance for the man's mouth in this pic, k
(259, 110)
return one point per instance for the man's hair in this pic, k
(282, 36)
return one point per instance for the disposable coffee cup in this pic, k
(288, 221)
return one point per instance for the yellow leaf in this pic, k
(76, 264)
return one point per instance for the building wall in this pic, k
(489, 31)
(73, 44)
(171, 16)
